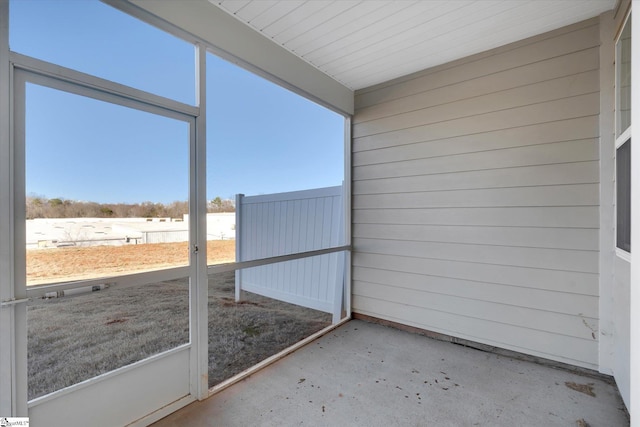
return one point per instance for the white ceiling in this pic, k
(363, 43)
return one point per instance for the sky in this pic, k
(261, 138)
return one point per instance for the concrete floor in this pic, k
(364, 374)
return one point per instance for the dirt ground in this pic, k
(75, 263)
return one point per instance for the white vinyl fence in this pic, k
(286, 223)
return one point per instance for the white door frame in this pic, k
(12, 402)
(157, 385)
(635, 222)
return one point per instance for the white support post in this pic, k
(239, 258)
(338, 292)
(347, 214)
(635, 219)
(8, 402)
(200, 290)
(607, 187)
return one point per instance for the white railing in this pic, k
(120, 281)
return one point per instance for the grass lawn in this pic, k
(72, 339)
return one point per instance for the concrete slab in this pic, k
(364, 374)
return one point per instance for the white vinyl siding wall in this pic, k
(475, 197)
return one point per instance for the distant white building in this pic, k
(62, 232)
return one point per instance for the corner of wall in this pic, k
(606, 301)
(614, 280)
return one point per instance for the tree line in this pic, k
(42, 207)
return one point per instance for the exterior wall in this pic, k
(621, 318)
(615, 277)
(476, 197)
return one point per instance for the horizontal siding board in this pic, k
(528, 278)
(583, 38)
(560, 174)
(557, 131)
(549, 69)
(552, 259)
(532, 155)
(562, 109)
(572, 350)
(573, 325)
(568, 217)
(550, 90)
(550, 195)
(583, 239)
(538, 299)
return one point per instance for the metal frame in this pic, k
(232, 266)
(635, 231)
(30, 70)
(200, 308)
(121, 281)
(347, 200)
(106, 376)
(133, 9)
(10, 402)
(76, 82)
(619, 140)
(625, 21)
(203, 46)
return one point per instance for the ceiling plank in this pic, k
(362, 43)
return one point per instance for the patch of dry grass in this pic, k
(243, 334)
(76, 338)
(72, 339)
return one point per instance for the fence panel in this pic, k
(285, 223)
